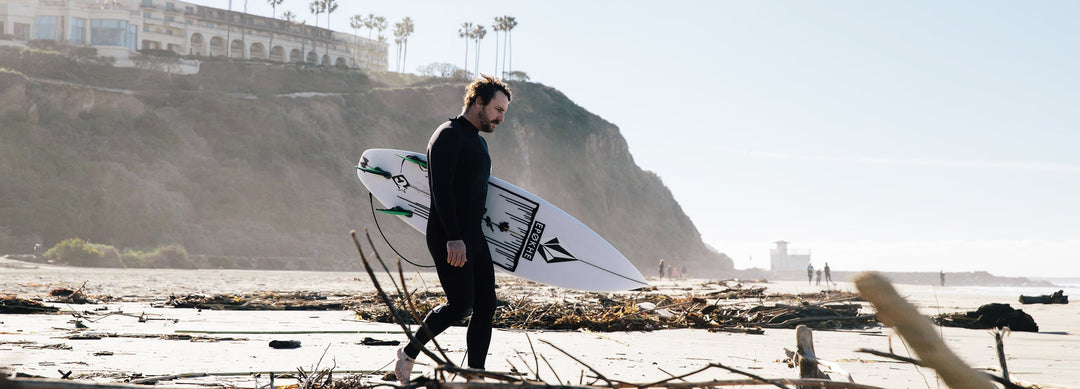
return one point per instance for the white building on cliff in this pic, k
(118, 28)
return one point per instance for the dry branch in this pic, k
(917, 330)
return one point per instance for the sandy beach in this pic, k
(233, 345)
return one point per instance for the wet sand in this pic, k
(233, 344)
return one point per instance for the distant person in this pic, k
(683, 272)
(459, 168)
(828, 274)
(661, 275)
(818, 276)
(809, 273)
(942, 275)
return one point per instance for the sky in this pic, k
(885, 135)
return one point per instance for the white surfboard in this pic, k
(528, 237)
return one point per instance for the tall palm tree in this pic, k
(356, 22)
(379, 23)
(369, 22)
(466, 31)
(478, 33)
(228, 35)
(409, 29)
(498, 26)
(511, 22)
(329, 6)
(316, 8)
(399, 34)
(273, 6)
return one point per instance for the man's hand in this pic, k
(455, 253)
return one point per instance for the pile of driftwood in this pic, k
(733, 309)
(1058, 297)
(994, 315)
(16, 305)
(894, 310)
(261, 301)
(652, 310)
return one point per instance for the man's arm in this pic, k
(442, 162)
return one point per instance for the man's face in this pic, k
(492, 114)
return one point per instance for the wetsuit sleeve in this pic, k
(443, 157)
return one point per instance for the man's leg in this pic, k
(478, 337)
(457, 284)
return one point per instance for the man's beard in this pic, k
(488, 125)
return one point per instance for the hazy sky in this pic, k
(899, 136)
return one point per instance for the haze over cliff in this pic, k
(257, 160)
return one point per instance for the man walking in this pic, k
(459, 167)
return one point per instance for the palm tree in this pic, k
(289, 16)
(478, 33)
(369, 22)
(379, 23)
(409, 29)
(329, 6)
(466, 31)
(228, 35)
(511, 22)
(273, 15)
(356, 22)
(498, 26)
(316, 8)
(399, 33)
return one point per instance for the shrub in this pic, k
(75, 252)
(176, 257)
(137, 259)
(110, 256)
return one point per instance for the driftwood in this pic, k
(1058, 297)
(15, 305)
(989, 316)
(806, 358)
(1006, 383)
(444, 366)
(807, 361)
(919, 333)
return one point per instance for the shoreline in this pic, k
(969, 278)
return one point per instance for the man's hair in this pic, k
(484, 88)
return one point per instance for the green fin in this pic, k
(396, 210)
(375, 171)
(414, 159)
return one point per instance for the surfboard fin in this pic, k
(415, 159)
(396, 210)
(375, 170)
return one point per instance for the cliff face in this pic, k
(228, 167)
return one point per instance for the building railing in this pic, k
(790, 252)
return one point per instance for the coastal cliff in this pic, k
(256, 160)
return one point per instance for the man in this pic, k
(458, 170)
(809, 273)
(828, 274)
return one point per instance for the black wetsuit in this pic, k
(458, 170)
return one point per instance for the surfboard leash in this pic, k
(371, 200)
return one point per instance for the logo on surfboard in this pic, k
(551, 251)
